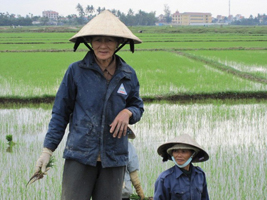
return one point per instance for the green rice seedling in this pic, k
(34, 74)
(166, 45)
(154, 40)
(136, 197)
(31, 125)
(39, 175)
(234, 135)
(202, 45)
(9, 139)
(10, 142)
(159, 73)
(166, 73)
(253, 62)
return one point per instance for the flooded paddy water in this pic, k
(233, 135)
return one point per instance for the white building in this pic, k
(52, 15)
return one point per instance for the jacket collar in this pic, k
(178, 172)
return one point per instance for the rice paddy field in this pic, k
(171, 63)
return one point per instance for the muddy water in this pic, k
(233, 135)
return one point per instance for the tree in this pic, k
(90, 9)
(99, 10)
(167, 13)
(130, 18)
(80, 10)
(130, 12)
(119, 13)
(44, 20)
(152, 18)
(7, 19)
(140, 19)
(81, 19)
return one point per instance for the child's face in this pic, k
(181, 155)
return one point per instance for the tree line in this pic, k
(259, 20)
(141, 18)
(85, 14)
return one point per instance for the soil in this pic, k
(187, 98)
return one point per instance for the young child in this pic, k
(183, 180)
(131, 172)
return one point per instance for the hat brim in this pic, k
(201, 156)
(130, 133)
(183, 147)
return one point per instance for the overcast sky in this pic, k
(66, 7)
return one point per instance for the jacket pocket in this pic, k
(199, 189)
(80, 138)
(121, 146)
(179, 194)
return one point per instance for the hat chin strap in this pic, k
(186, 163)
(77, 43)
(122, 45)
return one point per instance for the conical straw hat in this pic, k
(130, 133)
(184, 139)
(106, 24)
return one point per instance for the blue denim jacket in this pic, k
(89, 104)
(173, 184)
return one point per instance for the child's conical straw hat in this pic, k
(185, 140)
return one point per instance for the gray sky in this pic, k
(66, 7)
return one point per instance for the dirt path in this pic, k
(190, 98)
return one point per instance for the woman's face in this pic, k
(104, 47)
(181, 155)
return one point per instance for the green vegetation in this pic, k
(217, 30)
(234, 135)
(39, 175)
(170, 61)
(10, 143)
(9, 139)
(236, 30)
(39, 74)
(34, 74)
(252, 62)
(136, 197)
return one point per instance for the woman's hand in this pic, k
(120, 123)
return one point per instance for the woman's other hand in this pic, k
(120, 123)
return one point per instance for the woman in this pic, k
(98, 98)
(183, 180)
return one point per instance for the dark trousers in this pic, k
(81, 182)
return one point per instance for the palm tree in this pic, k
(130, 12)
(99, 10)
(90, 9)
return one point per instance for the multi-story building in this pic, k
(190, 18)
(239, 17)
(52, 15)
